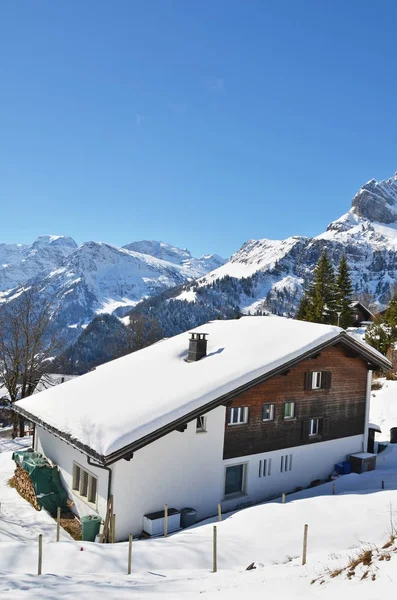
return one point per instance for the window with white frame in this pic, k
(238, 415)
(289, 410)
(85, 484)
(235, 476)
(314, 427)
(268, 412)
(201, 424)
(317, 380)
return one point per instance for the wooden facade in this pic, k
(339, 406)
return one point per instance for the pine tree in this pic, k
(344, 290)
(380, 335)
(391, 314)
(321, 294)
(304, 309)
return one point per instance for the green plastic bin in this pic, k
(90, 527)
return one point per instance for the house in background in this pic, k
(238, 413)
(361, 314)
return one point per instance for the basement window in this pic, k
(235, 477)
(84, 484)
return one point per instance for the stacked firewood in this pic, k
(24, 485)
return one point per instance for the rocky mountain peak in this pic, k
(377, 201)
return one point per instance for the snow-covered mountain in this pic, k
(19, 263)
(196, 266)
(367, 234)
(269, 275)
(94, 278)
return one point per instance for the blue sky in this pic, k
(201, 123)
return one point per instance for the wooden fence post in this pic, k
(219, 512)
(304, 544)
(214, 551)
(165, 520)
(40, 562)
(113, 528)
(129, 553)
(283, 499)
(58, 522)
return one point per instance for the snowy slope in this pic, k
(360, 516)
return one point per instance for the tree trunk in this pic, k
(14, 425)
(21, 426)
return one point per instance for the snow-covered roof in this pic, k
(131, 397)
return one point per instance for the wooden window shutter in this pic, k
(328, 379)
(324, 426)
(305, 429)
(308, 380)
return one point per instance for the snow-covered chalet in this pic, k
(233, 413)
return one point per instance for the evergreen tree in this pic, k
(321, 293)
(304, 309)
(380, 335)
(344, 290)
(391, 315)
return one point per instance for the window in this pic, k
(84, 483)
(318, 380)
(76, 477)
(269, 467)
(235, 479)
(238, 415)
(286, 463)
(314, 427)
(289, 410)
(268, 412)
(265, 472)
(201, 424)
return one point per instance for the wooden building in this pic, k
(361, 314)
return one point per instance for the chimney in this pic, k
(197, 346)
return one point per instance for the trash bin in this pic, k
(188, 517)
(90, 527)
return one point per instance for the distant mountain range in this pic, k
(95, 278)
(166, 283)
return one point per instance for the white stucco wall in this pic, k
(180, 469)
(309, 462)
(187, 469)
(64, 456)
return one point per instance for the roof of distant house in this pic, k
(49, 380)
(121, 404)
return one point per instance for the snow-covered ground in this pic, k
(361, 514)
